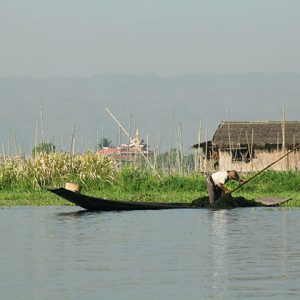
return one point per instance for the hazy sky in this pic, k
(167, 37)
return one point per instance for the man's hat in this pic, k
(234, 175)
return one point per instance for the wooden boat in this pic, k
(100, 204)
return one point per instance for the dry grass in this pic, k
(56, 168)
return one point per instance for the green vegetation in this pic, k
(104, 143)
(43, 148)
(24, 182)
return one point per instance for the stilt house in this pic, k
(250, 146)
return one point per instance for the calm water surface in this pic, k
(60, 253)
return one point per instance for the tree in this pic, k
(43, 148)
(104, 143)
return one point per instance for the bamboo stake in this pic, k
(229, 141)
(196, 155)
(206, 145)
(120, 144)
(3, 152)
(61, 141)
(36, 137)
(147, 143)
(212, 153)
(120, 125)
(251, 149)
(8, 145)
(170, 142)
(199, 142)
(294, 156)
(97, 140)
(264, 169)
(283, 138)
(177, 151)
(129, 140)
(86, 143)
(16, 146)
(42, 122)
(72, 150)
(181, 148)
(157, 151)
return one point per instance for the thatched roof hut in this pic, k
(263, 135)
(236, 143)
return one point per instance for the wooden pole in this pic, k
(212, 153)
(251, 150)
(129, 141)
(285, 155)
(16, 145)
(147, 143)
(170, 143)
(3, 152)
(229, 141)
(72, 149)
(42, 122)
(206, 145)
(196, 156)
(8, 145)
(283, 138)
(199, 142)
(120, 125)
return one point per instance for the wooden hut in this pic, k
(251, 146)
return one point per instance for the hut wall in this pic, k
(262, 159)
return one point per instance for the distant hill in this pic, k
(150, 99)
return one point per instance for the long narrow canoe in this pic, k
(100, 204)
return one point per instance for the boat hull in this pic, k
(99, 204)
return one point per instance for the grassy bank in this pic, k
(23, 183)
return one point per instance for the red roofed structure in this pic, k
(128, 152)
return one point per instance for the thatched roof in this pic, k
(265, 134)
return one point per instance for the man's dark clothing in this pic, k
(214, 192)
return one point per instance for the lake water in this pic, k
(60, 253)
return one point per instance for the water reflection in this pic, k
(76, 214)
(66, 253)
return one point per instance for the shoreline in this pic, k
(45, 198)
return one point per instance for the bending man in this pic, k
(215, 183)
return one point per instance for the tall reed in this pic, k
(55, 169)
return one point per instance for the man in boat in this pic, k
(215, 183)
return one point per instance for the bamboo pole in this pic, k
(36, 137)
(267, 167)
(196, 156)
(180, 149)
(157, 152)
(42, 122)
(283, 138)
(86, 143)
(120, 144)
(129, 140)
(229, 141)
(147, 143)
(251, 150)
(16, 146)
(170, 142)
(3, 152)
(120, 125)
(72, 148)
(61, 142)
(206, 145)
(199, 142)
(8, 145)
(212, 153)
